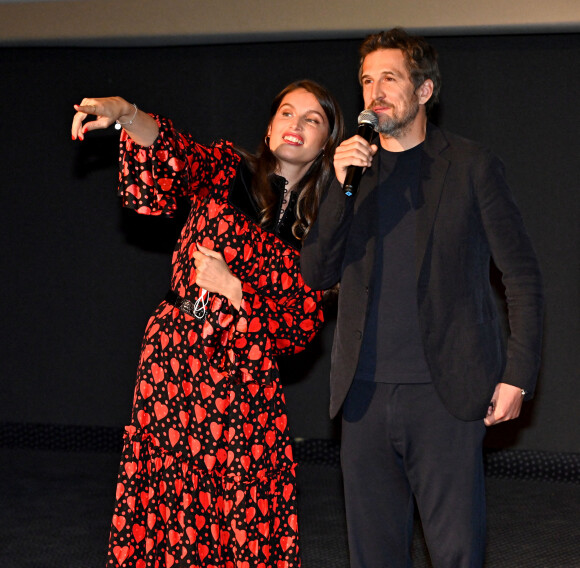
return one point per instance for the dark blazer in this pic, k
(466, 215)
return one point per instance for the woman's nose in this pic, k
(297, 123)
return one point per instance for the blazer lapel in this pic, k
(366, 208)
(433, 171)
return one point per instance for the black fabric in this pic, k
(392, 351)
(241, 197)
(399, 446)
(240, 194)
(183, 304)
(466, 214)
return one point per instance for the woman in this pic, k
(207, 476)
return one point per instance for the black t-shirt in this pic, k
(392, 350)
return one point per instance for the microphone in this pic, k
(367, 124)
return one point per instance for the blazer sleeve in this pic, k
(323, 249)
(514, 256)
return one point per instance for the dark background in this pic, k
(81, 276)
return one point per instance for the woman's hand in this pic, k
(143, 130)
(213, 274)
(107, 111)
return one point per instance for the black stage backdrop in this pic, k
(80, 276)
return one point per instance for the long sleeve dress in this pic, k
(207, 476)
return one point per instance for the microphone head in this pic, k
(368, 117)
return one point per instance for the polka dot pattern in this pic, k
(207, 476)
(530, 465)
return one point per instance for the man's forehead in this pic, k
(384, 60)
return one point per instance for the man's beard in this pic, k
(396, 126)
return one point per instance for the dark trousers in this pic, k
(400, 446)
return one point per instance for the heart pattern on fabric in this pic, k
(207, 476)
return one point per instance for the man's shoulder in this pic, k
(454, 146)
(454, 141)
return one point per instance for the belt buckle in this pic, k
(188, 307)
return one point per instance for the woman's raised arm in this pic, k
(141, 127)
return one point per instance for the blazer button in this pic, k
(358, 334)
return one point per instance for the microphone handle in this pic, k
(354, 173)
(352, 180)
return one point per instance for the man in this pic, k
(418, 364)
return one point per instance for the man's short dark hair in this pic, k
(421, 57)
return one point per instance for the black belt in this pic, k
(180, 303)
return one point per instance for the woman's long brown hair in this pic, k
(316, 179)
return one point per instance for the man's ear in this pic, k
(425, 91)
